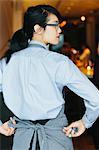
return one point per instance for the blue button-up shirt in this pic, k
(33, 80)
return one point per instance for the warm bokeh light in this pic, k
(83, 18)
(63, 23)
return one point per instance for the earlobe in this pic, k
(38, 29)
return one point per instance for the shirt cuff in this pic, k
(88, 122)
(0, 88)
(0, 122)
(90, 117)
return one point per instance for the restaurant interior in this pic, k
(79, 41)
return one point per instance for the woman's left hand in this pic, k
(75, 129)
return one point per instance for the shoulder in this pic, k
(57, 57)
(23, 53)
(21, 56)
(2, 63)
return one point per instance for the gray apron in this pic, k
(50, 136)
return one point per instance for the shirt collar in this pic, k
(39, 43)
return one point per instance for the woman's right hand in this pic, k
(6, 130)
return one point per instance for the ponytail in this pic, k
(21, 37)
(18, 42)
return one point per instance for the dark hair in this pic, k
(34, 15)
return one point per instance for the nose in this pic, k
(59, 30)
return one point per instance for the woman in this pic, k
(32, 83)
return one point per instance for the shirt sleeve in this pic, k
(2, 66)
(69, 75)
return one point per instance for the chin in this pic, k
(55, 43)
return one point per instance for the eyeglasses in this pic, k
(56, 25)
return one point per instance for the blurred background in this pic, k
(79, 41)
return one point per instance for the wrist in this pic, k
(83, 123)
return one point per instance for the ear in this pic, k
(38, 29)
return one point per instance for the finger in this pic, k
(71, 132)
(67, 132)
(12, 120)
(74, 130)
(72, 125)
(68, 128)
(9, 132)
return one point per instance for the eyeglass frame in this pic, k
(53, 25)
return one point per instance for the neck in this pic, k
(39, 39)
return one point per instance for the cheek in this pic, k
(51, 37)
